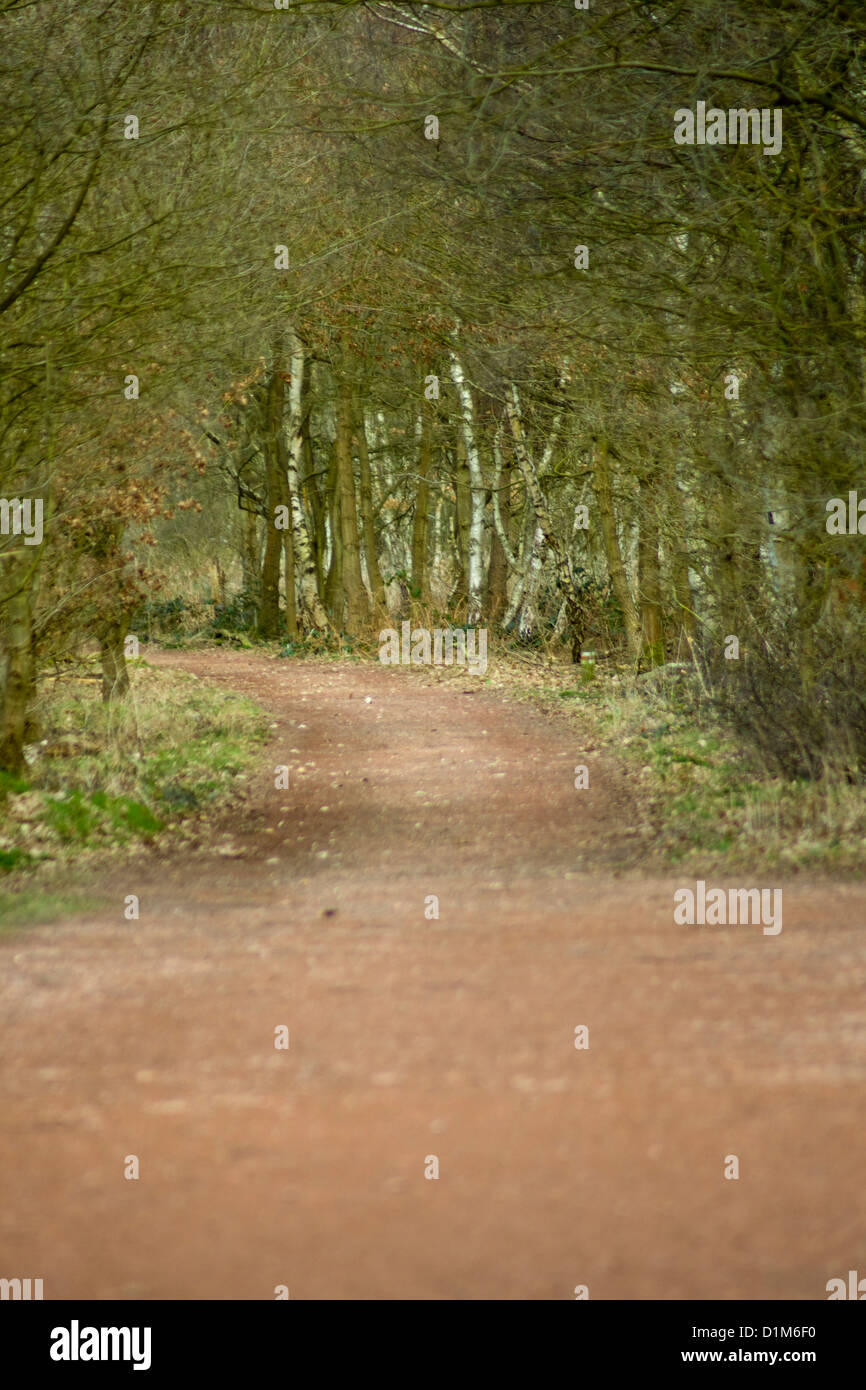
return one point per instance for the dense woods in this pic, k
(518, 345)
(314, 317)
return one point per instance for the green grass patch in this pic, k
(709, 806)
(117, 774)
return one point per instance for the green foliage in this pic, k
(701, 801)
(13, 859)
(165, 615)
(9, 783)
(113, 775)
(238, 614)
(77, 816)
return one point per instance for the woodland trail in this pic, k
(412, 1037)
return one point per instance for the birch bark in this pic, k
(475, 547)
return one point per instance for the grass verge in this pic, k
(105, 776)
(702, 801)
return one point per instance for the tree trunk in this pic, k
(462, 513)
(420, 585)
(728, 567)
(268, 617)
(676, 545)
(275, 491)
(527, 620)
(307, 559)
(249, 522)
(288, 536)
(334, 577)
(649, 576)
(357, 608)
(377, 587)
(18, 683)
(115, 675)
(501, 560)
(523, 556)
(310, 488)
(575, 606)
(613, 554)
(477, 496)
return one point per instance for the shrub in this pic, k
(796, 699)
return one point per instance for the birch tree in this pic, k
(475, 547)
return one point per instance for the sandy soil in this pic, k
(412, 1037)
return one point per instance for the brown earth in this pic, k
(413, 1037)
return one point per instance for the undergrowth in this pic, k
(113, 774)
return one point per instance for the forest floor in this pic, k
(414, 1038)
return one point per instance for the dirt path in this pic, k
(413, 1037)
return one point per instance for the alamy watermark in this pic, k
(19, 518)
(856, 1288)
(714, 907)
(21, 1289)
(76, 1343)
(738, 126)
(846, 518)
(442, 647)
